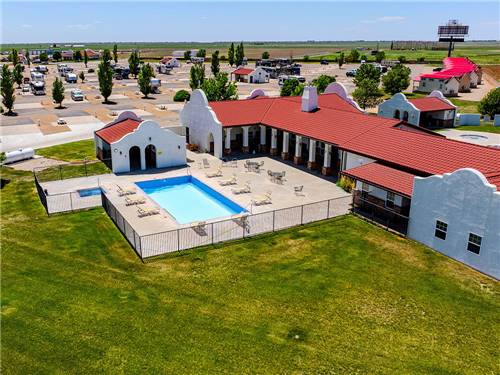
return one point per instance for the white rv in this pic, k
(155, 85)
(71, 78)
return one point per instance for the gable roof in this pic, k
(453, 67)
(243, 71)
(116, 131)
(386, 177)
(431, 104)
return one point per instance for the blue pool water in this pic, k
(89, 192)
(188, 199)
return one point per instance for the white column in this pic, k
(227, 144)
(245, 135)
(312, 150)
(262, 134)
(298, 146)
(143, 159)
(274, 138)
(286, 135)
(328, 156)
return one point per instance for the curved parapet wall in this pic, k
(204, 127)
(467, 203)
(340, 90)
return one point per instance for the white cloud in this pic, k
(385, 19)
(80, 26)
(26, 26)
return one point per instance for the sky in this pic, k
(207, 21)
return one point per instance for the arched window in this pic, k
(397, 114)
(405, 116)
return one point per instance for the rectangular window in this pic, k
(441, 229)
(389, 201)
(365, 189)
(474, 244)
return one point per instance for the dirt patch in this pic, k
(493, 71)
(101, 113)
(46, 125)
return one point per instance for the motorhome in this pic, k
(71, 78)
(42, 69)
(120, 72)
(37, 77)
(163, 69)
(38, 87)
(155, 85)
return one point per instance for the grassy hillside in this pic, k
(341, 296)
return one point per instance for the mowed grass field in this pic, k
(341, 296)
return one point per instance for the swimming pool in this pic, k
(188, 199)
(89, 192)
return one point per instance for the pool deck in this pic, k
(283, 195)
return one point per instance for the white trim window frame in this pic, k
(441, 229)
(474, 243)
(390, 200)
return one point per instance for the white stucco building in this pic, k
(129, 143)
(247, 75)
(433, 111)
(458, 214)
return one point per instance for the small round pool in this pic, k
(474, 137)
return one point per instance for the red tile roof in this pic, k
(425, 153)
(453, 67)
(243, 71)
(386, 177)
(114, 132)
(430, 104)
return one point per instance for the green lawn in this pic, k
(74, 151)
(341, 296)
(485, 127)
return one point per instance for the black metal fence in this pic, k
(77, 169)
(237, 227)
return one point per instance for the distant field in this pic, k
(480, 52)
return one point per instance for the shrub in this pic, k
(346, 183)
(91, 70)
(490, 104)
(402, 59)
(182, 96)
(421, 59)
(306, 58)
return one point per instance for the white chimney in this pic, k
(309, 99)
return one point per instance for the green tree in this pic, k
(7, 89)
(397, 79)
(265, 55)
(230, 55)
(82, 76)
(201, 53)
(2, 156)
(367, 71)
(144, 79)
(289, 87)
(215, 64)
(187, 55)
(28, 59)
(134, 62)
(354, 55)
(402, 59)
(106, 56)
(44, 57)
(196, 76)
(17, 74)
(306, 57)
(78, 55)
(14, 57)
(219, 88)
(57, 56)
(239, 55)
(322, 82)
(115, 53)
(58, 92)
(367, 93)
(105, 76)
(85, 58)
(341, 60)
(490, 104)
(182, 96)
(380, 56)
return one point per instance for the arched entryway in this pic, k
(397, 114)
(210, 143)
(134, 155)
(150, 154)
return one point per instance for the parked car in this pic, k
(324, 62)
(351, 73)
(77, 95)
(26, 87)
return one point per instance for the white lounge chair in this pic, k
(229, 181)
(127, 191)
(147, 211)
(298, 190)
(131, 202)
(206, 164)
(200, 227)
(260, 200)
(214, 174)
(242, 189)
